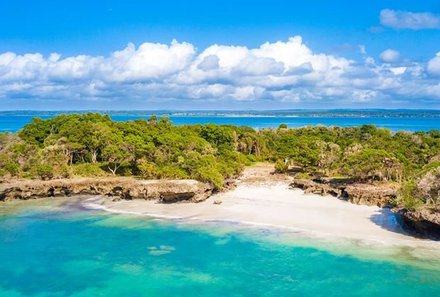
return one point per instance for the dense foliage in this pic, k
(93, 145)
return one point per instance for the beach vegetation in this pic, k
(88, 170)
(92, 144)
(281, 166)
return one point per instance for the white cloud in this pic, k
(434, 65)
(253, 65)
(389, 56)
(398, 70)
(282, 71)
(228, 56)
(21, 67)
(364, 95)
(209, 63)
(210, 91)
(295, 53)
(409, 20)
(148, 61)
(247, 93)
(79, 67)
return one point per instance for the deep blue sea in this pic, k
(52, 250)
(393, 120)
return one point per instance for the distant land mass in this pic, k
(395, 119)
(282, 112)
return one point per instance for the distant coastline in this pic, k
(394, 119)
(278, 112)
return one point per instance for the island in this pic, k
(152, 159)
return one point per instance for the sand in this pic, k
(264, 200)
(270, 202)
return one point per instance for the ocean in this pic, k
(395, 120)
(52, 249)
(48, 249)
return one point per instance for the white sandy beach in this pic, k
(273, 204)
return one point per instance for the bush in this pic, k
(282, 126)
(147, 169)
(62, 171)
(428, 187)
(88, 170)
(44, 171)
(12, 168)
(408, 194)
(281, 166)
(172, 172)
(303, 175)
(207, 174)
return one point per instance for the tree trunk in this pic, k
(94, 156)
(114, 169)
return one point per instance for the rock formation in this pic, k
(422, 222)
(380, 195)
(165, 191)
(424, 219)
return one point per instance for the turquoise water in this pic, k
(48, 251)
(414, 121)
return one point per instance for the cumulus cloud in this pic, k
(389, 56)
(148, 61)
(409, 20)
(434, 65)
(364, 95)
(282, 71)
(209, 63)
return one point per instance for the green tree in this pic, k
(372, 164)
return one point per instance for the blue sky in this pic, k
(75, 54)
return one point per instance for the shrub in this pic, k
(147, 169)
(171, 172)
(408, 193)
(281, 166)
(88, 170)
(207, 174)
(62, 171)
(248, 159)
(303, 175)
(44, 171)
(428, 187)
(12, 168)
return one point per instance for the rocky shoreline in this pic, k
(357, 193)
(165, 191)
(420, 222)
(423, 222)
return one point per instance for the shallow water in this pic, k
(52, 250)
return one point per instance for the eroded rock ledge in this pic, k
(165, 191)
(423, 222)
(366, 194)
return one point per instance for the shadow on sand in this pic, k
(393, 222)
(390, 221)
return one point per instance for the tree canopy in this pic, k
(93, 145)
